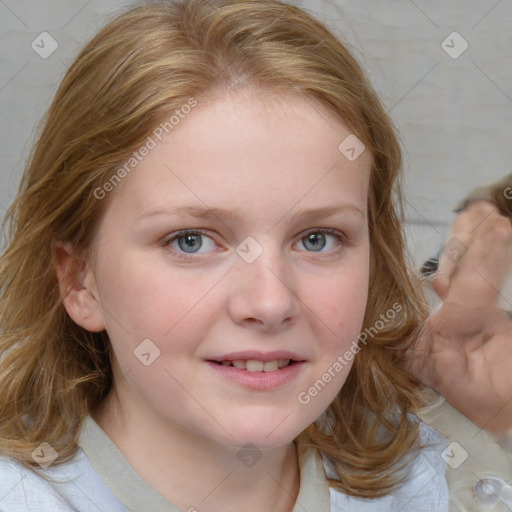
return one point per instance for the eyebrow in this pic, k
(213, 213)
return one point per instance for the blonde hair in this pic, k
(146, 63)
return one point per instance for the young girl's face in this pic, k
(274, 268)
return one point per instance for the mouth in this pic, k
(258, 371)
(255, 365)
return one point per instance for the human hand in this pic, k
(464, 350)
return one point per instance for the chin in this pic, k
(266, 435)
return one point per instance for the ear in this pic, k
(78, 288)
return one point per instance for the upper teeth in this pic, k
(252, 365)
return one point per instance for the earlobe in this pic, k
(78, 288)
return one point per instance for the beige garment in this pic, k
(479, 470)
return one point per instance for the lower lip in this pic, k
(258, 381)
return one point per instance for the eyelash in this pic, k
(340, 238)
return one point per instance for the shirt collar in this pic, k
(137, 494)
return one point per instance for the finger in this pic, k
(470, 222)
(441, 285)
(453, 251)
(481, 273)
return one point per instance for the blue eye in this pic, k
(317, 240)
(190, 241)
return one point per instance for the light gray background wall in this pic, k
(453, 107)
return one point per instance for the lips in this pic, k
(253, 361)
(251, 376)
(255, 365)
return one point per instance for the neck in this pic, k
(190, 470)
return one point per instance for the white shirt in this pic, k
(100, 479)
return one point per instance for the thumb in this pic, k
(441, 285)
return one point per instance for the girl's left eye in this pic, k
(190, 241)
(318, 239)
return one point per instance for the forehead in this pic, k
(247, 151)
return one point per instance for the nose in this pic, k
(263, 293)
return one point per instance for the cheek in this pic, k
(341, 304)
(148, 299)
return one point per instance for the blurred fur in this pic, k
(499, 193)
